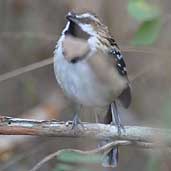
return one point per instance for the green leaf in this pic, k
(147, 32)
(74, 157)
(64, 167)
(142, 11)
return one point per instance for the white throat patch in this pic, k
(88, 29)
(66, 27)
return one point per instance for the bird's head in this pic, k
(86, 24)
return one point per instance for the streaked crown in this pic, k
(89, 23)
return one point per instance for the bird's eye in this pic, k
(85, 20)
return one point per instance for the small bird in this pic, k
(90, 69)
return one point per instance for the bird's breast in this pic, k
(82, 83)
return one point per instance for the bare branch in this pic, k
(15, 126)
(25, 69)
(142, 137)
(98, 151)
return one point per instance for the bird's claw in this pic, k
(120, 128)
(76, 121)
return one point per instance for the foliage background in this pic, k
(28, 33)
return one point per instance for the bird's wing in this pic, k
(125, 97)
(120, 63)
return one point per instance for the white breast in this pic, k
(80, 82)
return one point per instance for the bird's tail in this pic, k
(111, 159)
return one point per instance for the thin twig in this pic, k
(43, 63)
(25, 69)
(98, 151)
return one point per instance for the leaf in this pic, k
(74, 157)
(142, 11)
(147, 32)
(64, 167)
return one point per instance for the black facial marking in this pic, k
(75, 60)
(71, 29)
(76, 31)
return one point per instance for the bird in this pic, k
(91, 70)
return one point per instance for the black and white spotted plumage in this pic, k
(116, 53)
(120, 63)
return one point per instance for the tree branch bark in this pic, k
(16, 126)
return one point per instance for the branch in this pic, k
(99, 151)
(16, 126)
(143, 137)
(102, 151)
(25, 69)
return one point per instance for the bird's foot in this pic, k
(120, 128)
(76, 121)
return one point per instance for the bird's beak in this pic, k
(71, 16)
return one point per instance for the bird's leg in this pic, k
(76, 120)
(116, 118)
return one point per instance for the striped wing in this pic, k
(125, 96)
